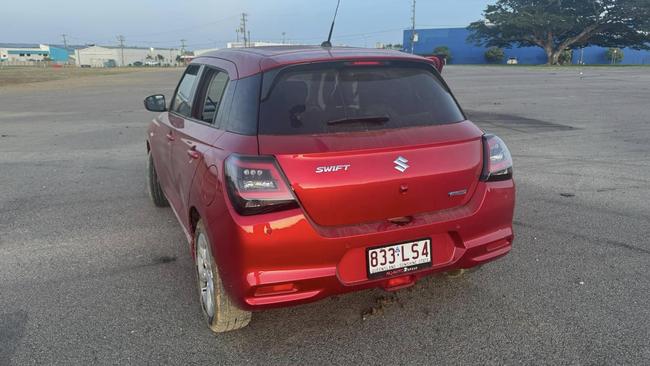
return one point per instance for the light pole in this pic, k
(414, 37)
(582, 56)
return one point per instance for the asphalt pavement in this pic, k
(92, 273)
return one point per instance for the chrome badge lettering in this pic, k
(332, 168)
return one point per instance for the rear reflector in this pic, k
(284, 288)
(256, 185)
(396, 283)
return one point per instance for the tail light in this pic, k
(497, 162)
(256, 185)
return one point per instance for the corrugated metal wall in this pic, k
(59, 54)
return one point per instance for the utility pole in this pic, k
(120, 39)
(413, 37)
(283, 34)
(65, 47)
(65, 41)
(183, 46)
(242, 28)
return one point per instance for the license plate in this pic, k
(398, 259)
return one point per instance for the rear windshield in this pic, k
(348, 97)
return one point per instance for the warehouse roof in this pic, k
(20, 45)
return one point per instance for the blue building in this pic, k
(597, 55)
(21, 52)
(59, 54)
(465, 52)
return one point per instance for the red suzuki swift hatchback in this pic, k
(299, 173)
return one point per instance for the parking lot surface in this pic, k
(92, 273)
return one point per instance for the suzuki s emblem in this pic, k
(401, 164)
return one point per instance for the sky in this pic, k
(208, 24)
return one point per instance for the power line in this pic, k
(185, 28)
(169, 42)
(90, 41)
(353, 35)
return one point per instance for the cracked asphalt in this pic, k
(92, 273)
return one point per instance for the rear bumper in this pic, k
(283, 259)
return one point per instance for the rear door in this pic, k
(196, 133)
(179, 109)
(367, 141)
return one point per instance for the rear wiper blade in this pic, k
(367, 119)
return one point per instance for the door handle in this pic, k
(193, 153)
(170, 137)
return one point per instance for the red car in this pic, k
(299, 173)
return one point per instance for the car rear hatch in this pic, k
(366, 142)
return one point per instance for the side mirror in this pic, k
(155, 103)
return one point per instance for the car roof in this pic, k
(253, 60)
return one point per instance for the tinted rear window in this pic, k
(243, 113)
(343, 97)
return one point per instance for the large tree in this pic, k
(556, 25)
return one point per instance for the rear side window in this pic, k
(211, 95)
(182, 102)
(344, 97)
(242, 117)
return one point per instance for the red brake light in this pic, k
(256, 185)
(497, 162)
(364, 63)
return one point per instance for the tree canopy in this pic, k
(557, 25)
(494, 55)
(443, 51)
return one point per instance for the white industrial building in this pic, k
(238, 44)
(109, 56)
(254, 44)
(199, 52)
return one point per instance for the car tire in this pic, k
(221, 314)
(155, 190)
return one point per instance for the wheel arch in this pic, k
(194, 218)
